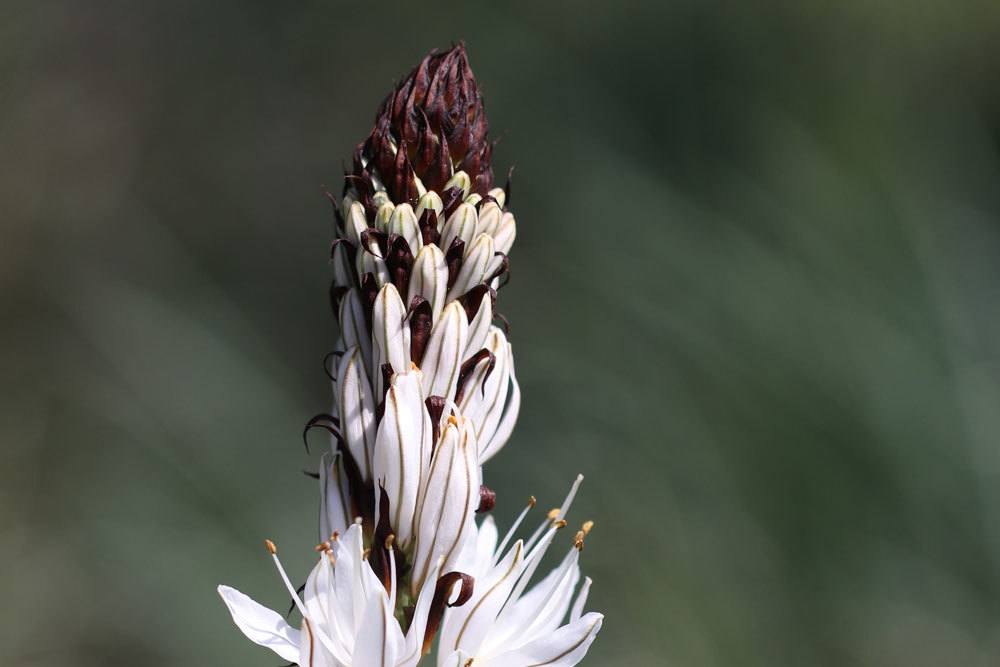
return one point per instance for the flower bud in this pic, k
(448, 501)
(383, 216)
(402, 451)
(356, 407)
(460, 225)
(442, 360)
(431, 200)
(390, 335)
(404, 223)
(353, 328)
(489, 219)
(478, 259)
(504, 236)
(429, 278)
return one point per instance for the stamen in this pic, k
(587, 527)
(273, 550)
(513, 528)
(578, 540)
(556, 514)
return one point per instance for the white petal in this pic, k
(401, 450)
(563, 648)
(461, 224)
(261, 625)
(474, 266)
(353, 327)
(581, 600)
(442, 360)
(538, 612)
(466, 626)
(377, 644)
(429, 279)
(448, 505)
(390, 335)
(356, 407)
(418, 625)
(312, 652)
(334, 507)
(486, 544)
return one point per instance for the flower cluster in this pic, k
(424, 394)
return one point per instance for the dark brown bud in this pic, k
(487, 499)
(432, 124)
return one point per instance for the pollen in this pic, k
(587, 527)
(553, 513)
(452, 420)
(271, 548)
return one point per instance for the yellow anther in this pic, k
(587, 527)
(389, 541)
(532, 501)
(366, 553)
(560, 524)
(578, 540)
(271, 549)
(554, 513)
(452, 420)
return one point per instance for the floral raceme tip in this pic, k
(424, 394)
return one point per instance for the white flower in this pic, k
(348, 615)
(505, 624)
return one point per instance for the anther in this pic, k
(578, 540)
(587, 527)
(553, 514)
(532, 501)
(560, 524)
(271, 549)
(322, 547)
(366, 553)
(452, 420)
(389, 541)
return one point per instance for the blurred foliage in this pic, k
(754, 300)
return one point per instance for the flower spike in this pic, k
(424, 394)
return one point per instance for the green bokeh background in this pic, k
(754, 300)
